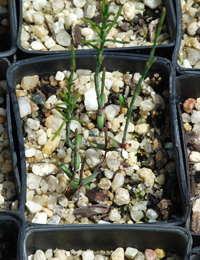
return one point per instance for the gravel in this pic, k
(56, 25)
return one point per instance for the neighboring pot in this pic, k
(187, 86)
(11, 231)
(181, 33)
(5, 101)
(175, 240)
(164, 50)
(48, 65)
(11, 35)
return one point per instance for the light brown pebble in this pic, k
(160, 253)
(1, 158)
(21, 93)
(187, 127)
(62, 84)
(189, 104)
(3, 2)
(90, 126)
(53, 82)
(48, 212)
(93, 116)
(31, 159)
(124, 110)
(150, 254)
(3, 119)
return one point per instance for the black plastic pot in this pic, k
(11, 231)
(161, 50)
(44, 66)
(180, 69)
(175, 240)
(187, 86)
(194, 254)
(12, 33)
(4, 64)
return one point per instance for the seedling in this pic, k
(71, 96)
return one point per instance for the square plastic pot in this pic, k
(48, 65)
(12, 34)
(4, 64)
(164, 50)
(11, 232)
(187, 86)
(172, 239)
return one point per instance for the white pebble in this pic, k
(24, 107)
(79, 3)
(153, 4)
(90, 95)
(34, 124)
(112, 111)
(195, 117)
(88, 255)
(131, 252)
(70, 20)
(114, 215)
(151, 214)
(43, 169)
(118, 181)
(33, 207)
(39, 255)
(63, 38)
(30, 152)
(59, 75)
(37, 46)
(121, 197)
(40, 218)
(39, 4)
(147, 175)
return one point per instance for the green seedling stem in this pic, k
(149, 63)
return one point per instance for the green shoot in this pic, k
(149, 63)
(102, 31)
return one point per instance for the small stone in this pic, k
(194, 156)
(122, 197)
(39, 255)
(118, 181)
(30, 152)
(79, 3)
(59, 75)
(63, 38)
(29, 82)
(141, 129)
(33, 207)
(92, 157)
(38, 99)
(40, 218)
(57, 6)
(50, 145)
(33, 181)
(147, 175)
(33, 123)
(130, 252)
(48, 212)
(151, 214)
(104, 184)
(150, 254)
(70, 20)
(90, 95)
(128, 11)
(153, 4)
(89, 9)
(114, 215)
(37, 46)
(24, 107)
(118, 254)
(160, 179)
(160, 253)
(6, 166)
(44, 169)
(112, 111)
(75, 125)
(88, 255)
(112, 162)
(192, 28)
(86, 32)
(39, 4)
(54, 220)
(189, 104)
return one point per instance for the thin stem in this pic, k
(147, 66)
